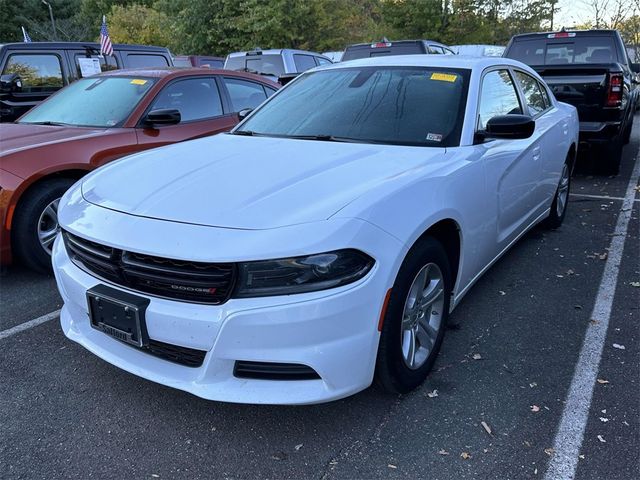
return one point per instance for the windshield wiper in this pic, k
(57, 124)
(326, 138)
(246, 133)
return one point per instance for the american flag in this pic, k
(105, 42)
(25, 35)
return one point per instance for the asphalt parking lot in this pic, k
(496, 405)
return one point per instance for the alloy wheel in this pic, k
(48, 226)
(563, 191)
(422, 316)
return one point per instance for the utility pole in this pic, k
(53, 22)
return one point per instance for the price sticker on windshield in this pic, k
(138, 81)
(444, 77)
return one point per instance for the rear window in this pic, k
(269, 64)
(143, 61)
(564, 51)
(382, 49)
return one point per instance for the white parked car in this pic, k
(323, 242)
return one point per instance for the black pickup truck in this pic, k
(590, 70)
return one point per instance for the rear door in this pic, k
(199, 102)
(243, 93)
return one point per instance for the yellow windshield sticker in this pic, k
(137, 81)
(444, 77)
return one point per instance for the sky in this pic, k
(574, 12)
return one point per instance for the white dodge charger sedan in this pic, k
(322, 243)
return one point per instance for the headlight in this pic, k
(310, 273)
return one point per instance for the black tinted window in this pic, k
(265, 64)
(303, 62)
(141, 61)
(39, 72)
(244, 94)
(389, 48)
(394, 105)
(532, 93)
(195, 98)
(562, 51)
(497, 97)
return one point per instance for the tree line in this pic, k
(220, 26)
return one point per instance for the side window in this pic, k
(244, 94)
(270, 91)
(194, 98)
(545, 95)
(434, 49)
(39, 72)
(532, 93)
(303, 62)
(497, 97)
(106, 63)
(448, 51)
(135, 60)
(322, 61)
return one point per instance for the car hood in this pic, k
(242, 182)
(15, 137)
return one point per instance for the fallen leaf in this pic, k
(549, 451)
(279, 456)
(593, 322)
(578, 307)
(477, 356)
(570, 272)
(603, 256)
(560, 276)
(535, 471)
(502, 292)
(635, 284)
(581, 457)
(465, 455)
(433, 394)
(535, 408)
(155, 475)
(391, 466)
(618, 346)
(533, 384)
(486, 427)
(298, 447)
(601, 438)
(602, 381)
(527, 444)
(604, 420)
(442, 451)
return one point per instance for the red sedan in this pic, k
(99, 119)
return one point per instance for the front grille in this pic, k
(274, 371)
(189, 357)
(198, 282)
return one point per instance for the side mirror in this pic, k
(10, 83)
(244, 113)
(510, 127)
(162, 117)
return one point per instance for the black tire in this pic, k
(392, 373)
(25, 241)
(555, 219)
(611, 156)
(626, 137)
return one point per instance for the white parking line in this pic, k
(570, 434)
(30, 324)
(600, 197)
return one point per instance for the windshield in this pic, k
(92, 102)
(563, 51)
(269, 64)
(391, 105)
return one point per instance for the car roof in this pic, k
(445, 61)
(368, 44)
(176, 72)
(273, 51)
(604, 32)
(80, 45)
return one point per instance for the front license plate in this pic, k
(118, 314)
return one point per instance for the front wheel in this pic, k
(35, 225)
(416, 318)
(560, 200)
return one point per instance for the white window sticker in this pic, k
(434, 137)
(89, 66)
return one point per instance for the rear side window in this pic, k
(39, 72)
(303, 62)
(210, 62)
(388, 48)
(434, 49)
(322, 61)
(564, 51)
(532, 93)
(194, 98)
(497, 97)
(244, 94)
(135, 60)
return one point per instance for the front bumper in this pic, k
(334, 332)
